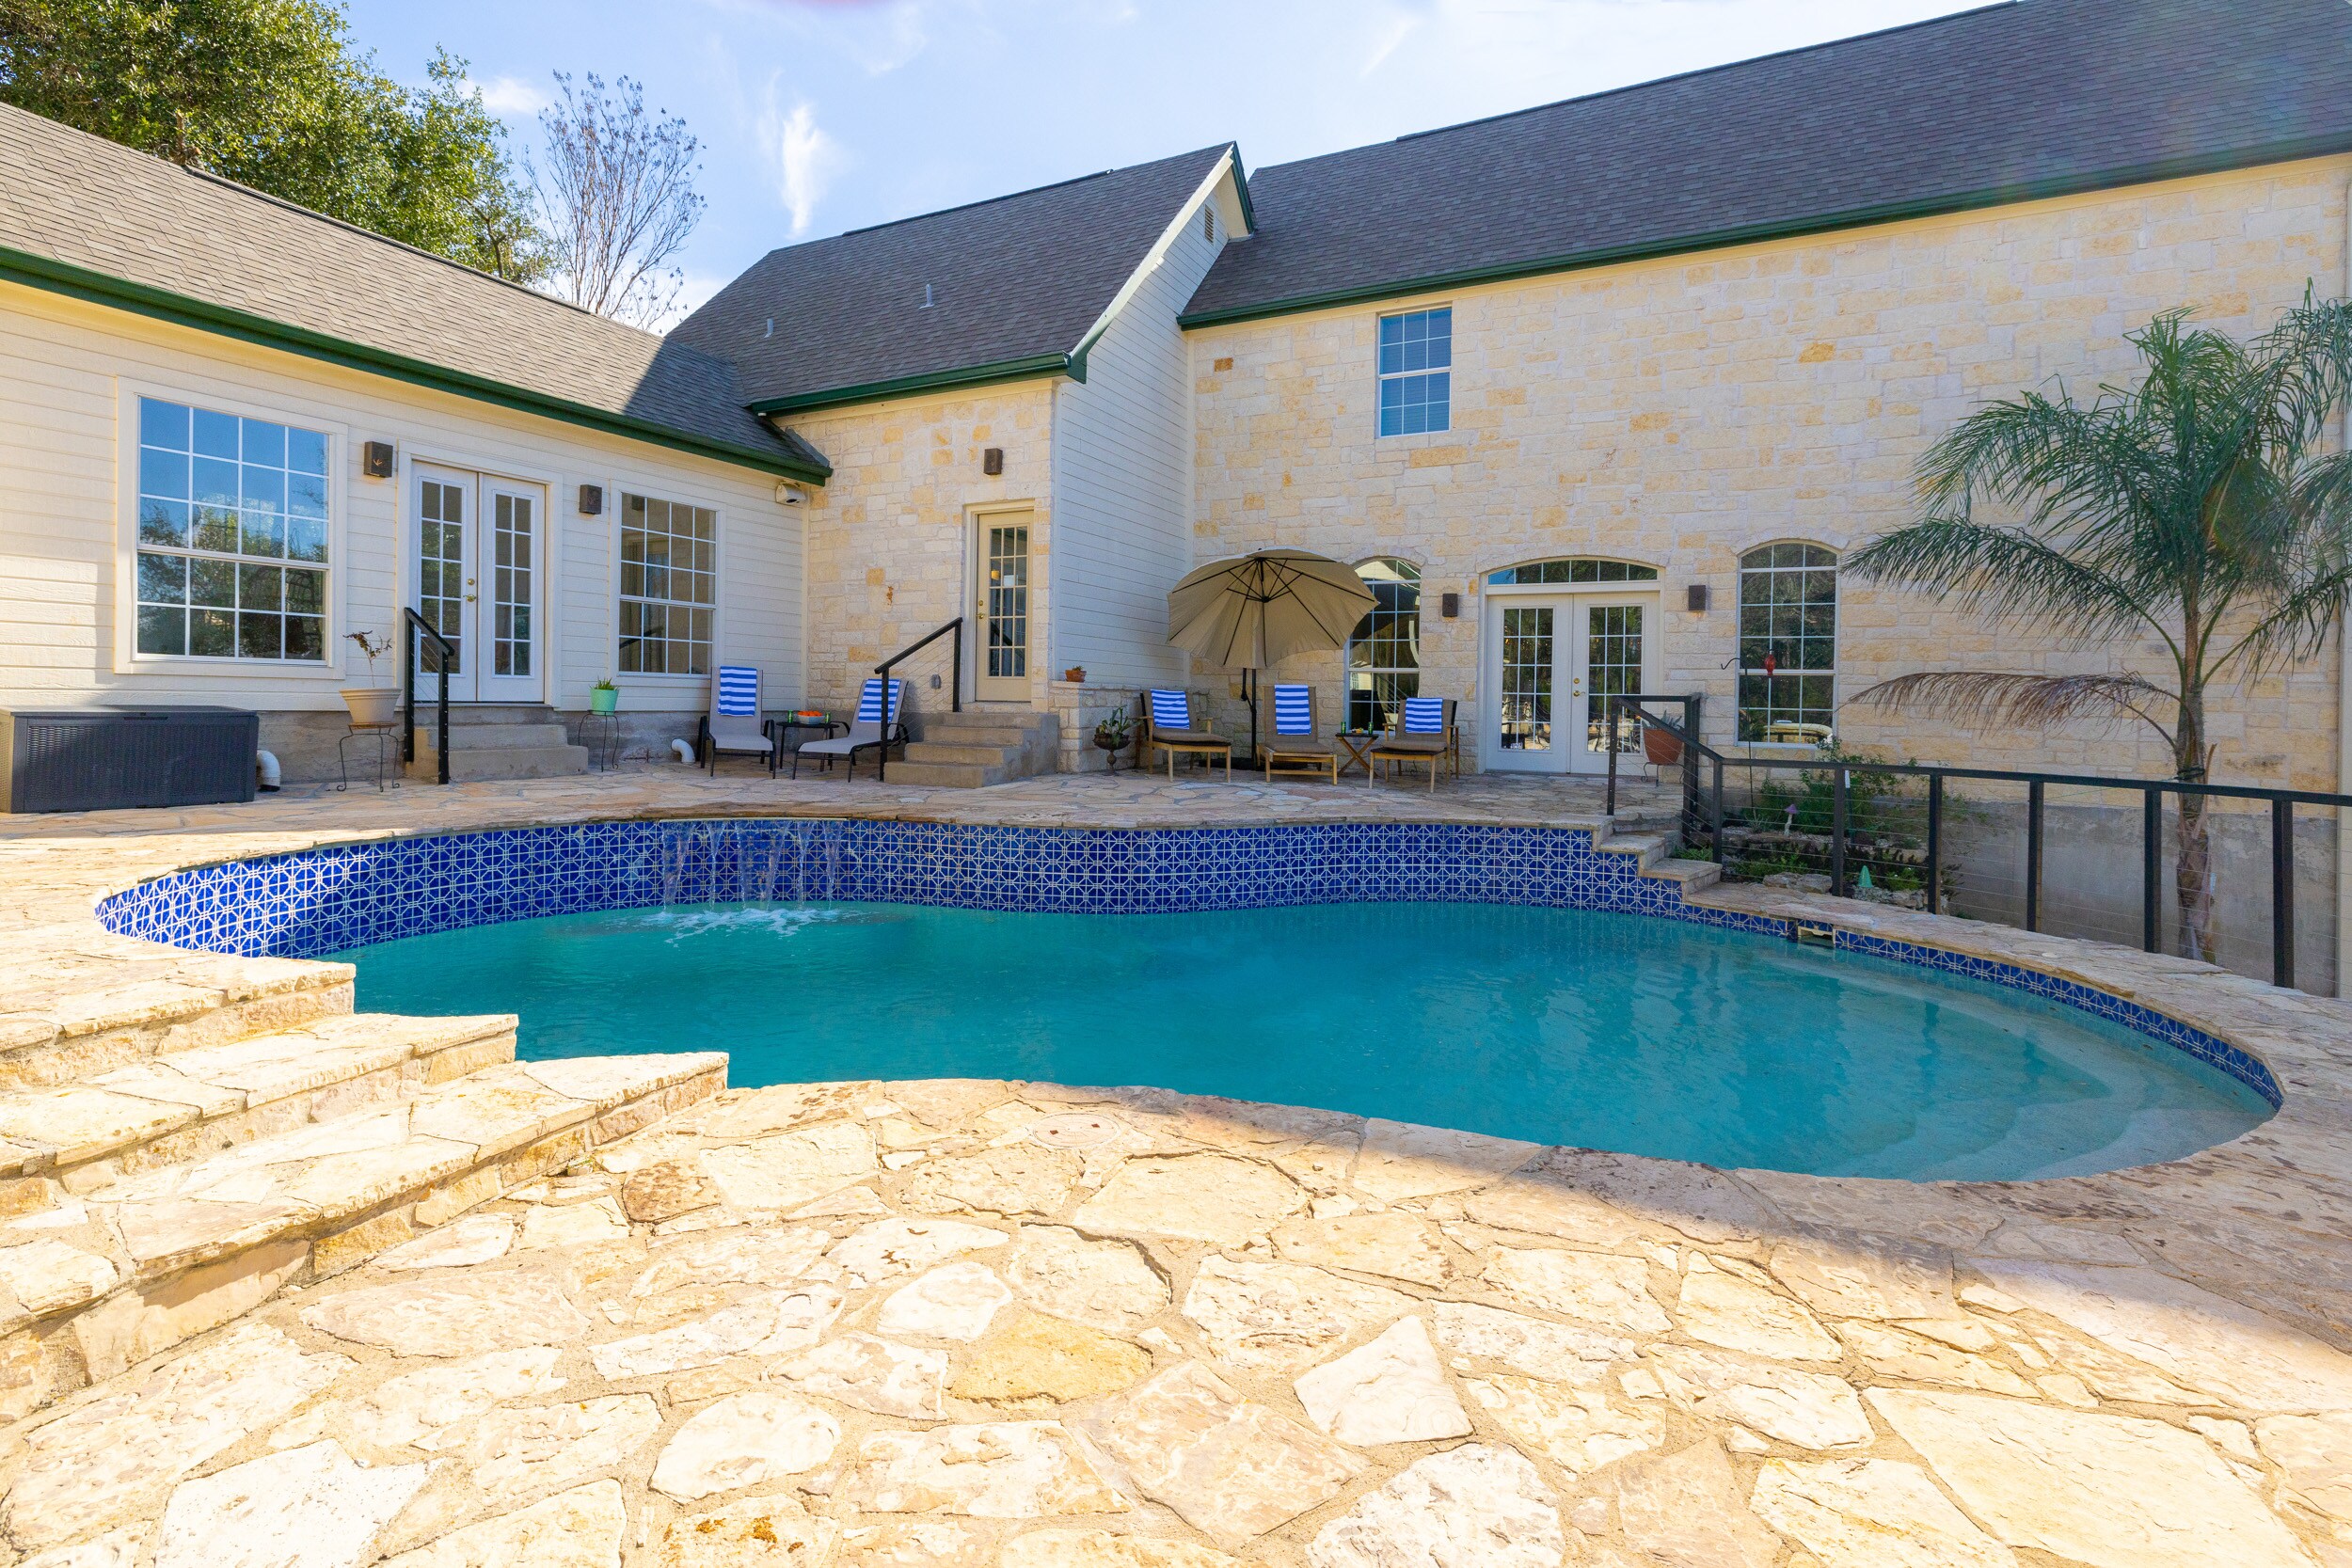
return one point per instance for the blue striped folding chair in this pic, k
(1425, 732)
(1178, 724)
(734, 723)
(870, 732)
(1294, 746)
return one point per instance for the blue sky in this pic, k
(819, 116)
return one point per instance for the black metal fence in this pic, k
(2251, 884)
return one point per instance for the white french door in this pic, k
(481, 580)
(1553, 660)
(1001, 606)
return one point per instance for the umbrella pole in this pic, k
(1250, 677)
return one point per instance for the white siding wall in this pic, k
(1122, 479)
(63, 365)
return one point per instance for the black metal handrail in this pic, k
(955, 690)
(444, 649)
(2153, 791)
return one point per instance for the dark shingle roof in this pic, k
(88, 217)
(2009, 102)
(1014, 282)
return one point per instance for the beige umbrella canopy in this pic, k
(1256, 611)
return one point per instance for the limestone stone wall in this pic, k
(1679, 412)
(889, 536)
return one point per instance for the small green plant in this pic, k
(605, 685)
(1111, 733)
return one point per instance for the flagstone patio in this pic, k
(1014, 1325)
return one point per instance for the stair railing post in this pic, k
(442, 662)
(408, 691)
(1609, 710)
(2151, 870)
(955, 702)
(1715, 817)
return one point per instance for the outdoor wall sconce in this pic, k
(1694, 598)
(592, 501)
(1449, 606)
(375, 460)
(993, 460)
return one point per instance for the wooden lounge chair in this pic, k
(1175, 721)
(734, 724)
(1425, 732)
(1296, 745)
(868, 734)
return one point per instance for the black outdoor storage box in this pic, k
(89, 759)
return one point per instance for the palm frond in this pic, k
(2007, 574)
(1991, 700)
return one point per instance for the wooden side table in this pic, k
(1358, 745)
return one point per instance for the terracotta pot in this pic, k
(1664, 749)
(373, 706)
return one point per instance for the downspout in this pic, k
(2344, 707)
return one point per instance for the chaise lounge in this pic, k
(733, 724)
(1296, 745)
(1174, 721)
(1424, 733)
(869, 733)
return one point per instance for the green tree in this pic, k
(2199, 506)
(271, 93)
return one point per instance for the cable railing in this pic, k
(444, 650)
(2040, 850)
(955, 683)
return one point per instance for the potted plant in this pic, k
(1112, 733)
(373, 706)
(1661, 747)
(604, 697)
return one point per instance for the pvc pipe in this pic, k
(685, 752)
(265, 764)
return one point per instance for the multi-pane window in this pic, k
(669, 584)
(1383, 654)
(233, 535)
(1788, 642)
(1579, 568)
(1416, 371)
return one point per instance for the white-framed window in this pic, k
(1384, 651)
(669, 586)
(233, 528)
(1788, 642)
(1417, 372)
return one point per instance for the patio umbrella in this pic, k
(1258, 609)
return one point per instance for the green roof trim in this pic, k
(1070, 365)
(1857, 217)
(99, 288)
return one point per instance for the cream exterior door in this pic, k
(1553, 660)
(1001, 606)
(480, 576)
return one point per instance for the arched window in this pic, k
(1384, 652)
(1788, 642)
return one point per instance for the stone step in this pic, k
(1002, 736)
(477, 715)
(948, 775)
(172, 1109)
(487, 737)
(58, 1028)
(959, 750)
(1026, 721)
(120, 1272)
(506, 762)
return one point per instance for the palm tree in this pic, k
(2194, 506)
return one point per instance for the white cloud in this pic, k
(805, 158)
(511, 95)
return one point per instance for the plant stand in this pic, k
(382, 741)
(601, 733)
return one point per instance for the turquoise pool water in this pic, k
(1565, 1026)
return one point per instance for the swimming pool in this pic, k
(1519, 981)
(1558, 1026)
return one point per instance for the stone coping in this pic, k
(2267, 1217)
(985, 1325)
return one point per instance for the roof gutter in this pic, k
(1852, 218)
(1034, 365)
(63, 277)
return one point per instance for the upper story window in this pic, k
(1417, 372)
(669, 586)
(232, 536)
(1576, 568)
(1384, 652)
(1787, 644)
